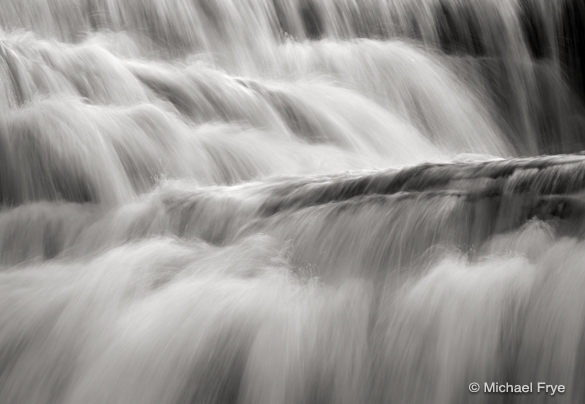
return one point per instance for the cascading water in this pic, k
(291, 201)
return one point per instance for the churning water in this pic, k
(291, 201)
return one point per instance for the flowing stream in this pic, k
(291, 201)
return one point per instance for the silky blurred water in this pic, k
(291, 201)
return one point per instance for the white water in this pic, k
(290, 201)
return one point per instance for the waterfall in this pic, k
(291, 201)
